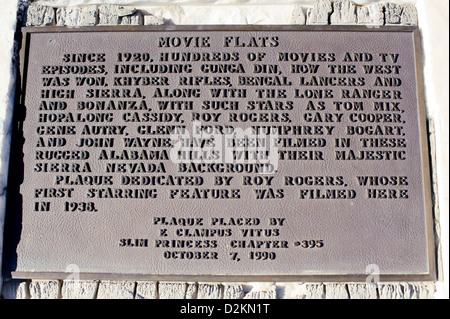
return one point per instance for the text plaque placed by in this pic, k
(274, 153)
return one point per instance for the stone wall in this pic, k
(68, 289)
(322, 12)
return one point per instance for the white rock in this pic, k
(233, 291)
(67, 16)
(418, 290)
(362, 291)
(38, 15)
(412, 291)
(297, 16)
(125, 11)
(391, 291)
(146, 290)
(393, 13)
(270, 293)
(172, 290)
(427, 290)
(344, 12)
(108, 14)
(44, 289)
(116, 290)
(88, 16)
(79, 289)
(134, 19)
(191, 291)
(370, 15)
(336, 291)
(209, 291)
(409, 15)
(319, 13)
(153, 20)
(169, 290)
(75, 16)
(405, 291)
(310, 291)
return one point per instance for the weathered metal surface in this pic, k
(318, 168)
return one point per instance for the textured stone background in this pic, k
(53, 289)
(336, 12)
(432, 17)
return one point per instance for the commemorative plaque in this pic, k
(265, 153)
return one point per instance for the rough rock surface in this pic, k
(88, 16)
(409, 15)
(116, 290)
(134, 19)
(77, 17)
(191, 290)
(169, 290)
(393, 14)
(362, 291)
(153, 20)
(405, 291)
(209, 291)
(336, 291)
(297, 16)
(344, 12)
(146, 290)
(38, 15)
(67, 16)
(233, 291)
(372, 14)
(110, 14)
(44, 289)
(79, 289)
(320, 12)
(270, 293)
(310, 291)
(52, 289)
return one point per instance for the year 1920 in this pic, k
(134, 57)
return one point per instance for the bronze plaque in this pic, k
(237, 153)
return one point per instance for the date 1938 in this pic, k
(80, 207)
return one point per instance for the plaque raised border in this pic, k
(12, 233)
